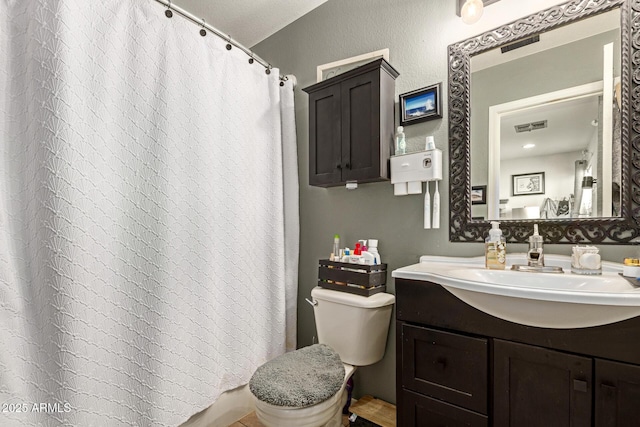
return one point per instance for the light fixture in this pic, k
(471, 11)
(528, 146)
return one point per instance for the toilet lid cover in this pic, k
(304, 377)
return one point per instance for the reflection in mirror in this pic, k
(537, 112)
(549, 120)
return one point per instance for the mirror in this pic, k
(584, 188)
(536, 122)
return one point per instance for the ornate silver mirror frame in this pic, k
(621, 230)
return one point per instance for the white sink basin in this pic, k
(607, 283)
(535, 299)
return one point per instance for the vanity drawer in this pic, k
(446, 366)
(423, 411)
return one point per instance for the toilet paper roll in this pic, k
(400, 189)
(414, 187)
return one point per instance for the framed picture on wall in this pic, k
(421, 105)
(528, 183)
(479, 195)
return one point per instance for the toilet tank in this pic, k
(354, 326)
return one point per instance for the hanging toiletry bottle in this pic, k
(495, 248)
(401, 143)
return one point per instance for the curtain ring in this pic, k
(203, 32)
(168, 13)
(228, 42)
(268, 70)
(251, 58)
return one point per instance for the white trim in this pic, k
(384, 53)
(607, 131)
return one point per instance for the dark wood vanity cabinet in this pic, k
(444, 378)
(351, 125)
(533, 383)
(457, 366)
(617, 394)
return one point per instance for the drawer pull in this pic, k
(441, 362)
(580, 385)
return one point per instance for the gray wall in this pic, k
(417, 32)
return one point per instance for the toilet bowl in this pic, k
(353, 326)
(325, 414)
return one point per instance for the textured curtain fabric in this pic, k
(148, 179)
(291, 211)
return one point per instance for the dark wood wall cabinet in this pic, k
(351, 125)
(457, 366)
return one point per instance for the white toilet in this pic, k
(354, 327)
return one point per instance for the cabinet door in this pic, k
(617, 401)
(361, 127)
(422, 411)
(325, 162)
(534, 386)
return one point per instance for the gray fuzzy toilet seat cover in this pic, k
(300, 378)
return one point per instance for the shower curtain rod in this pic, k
(227, 38)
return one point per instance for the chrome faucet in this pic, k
(535, 255)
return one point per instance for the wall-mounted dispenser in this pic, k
(408, 171)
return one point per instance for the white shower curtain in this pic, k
(148, 215)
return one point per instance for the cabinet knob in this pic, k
(339, 166)
(347, 165)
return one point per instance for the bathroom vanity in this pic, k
(459, 366)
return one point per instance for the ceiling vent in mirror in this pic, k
(519, 44)
(528, 127)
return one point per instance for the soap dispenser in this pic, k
(495, 248)
(535, 255)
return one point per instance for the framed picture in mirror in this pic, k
(528, 183)
(479, 195)
(420, 105)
